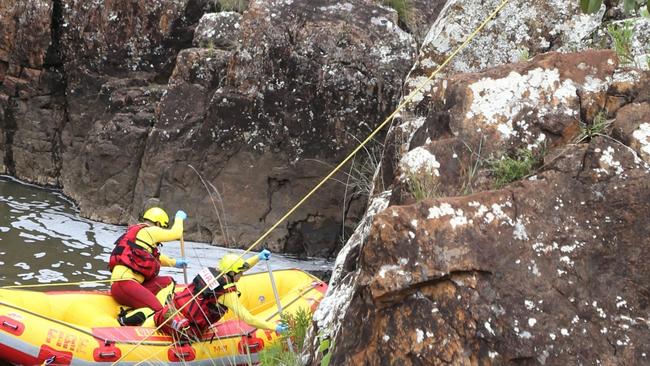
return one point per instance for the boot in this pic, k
(131, 319)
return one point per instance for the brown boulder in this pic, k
(546, 272)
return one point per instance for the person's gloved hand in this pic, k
(264, 255)
(180, 214)
(281, 328)
(180, 263)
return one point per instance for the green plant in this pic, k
(511, 168)
(278, 352)
(598, 127)
(362, 171)
(402, 7)
(469, 170)
(423, 185)
(633, 6)
(622, 40)
(233, 5)
(210, 47)
(645, 12)
(592, 6)
(325, 346)
(524, 54)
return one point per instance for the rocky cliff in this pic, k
(456, 262)
(231, 117)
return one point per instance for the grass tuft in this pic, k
(524, 54)
(508, 169)
(402, 7)
(598, 127)
(278, 354)
(423, 185)
(621, 35)
(233, 5)
(469, 170)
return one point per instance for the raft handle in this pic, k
(7, 324)
(182, 355)
(111, 354)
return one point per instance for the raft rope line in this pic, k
(64, 283)
(343, 162)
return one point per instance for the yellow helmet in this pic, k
(232, 263)
(157, 215)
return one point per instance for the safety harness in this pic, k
(134, 256)
(205, 309)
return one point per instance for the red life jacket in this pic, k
(132, 255)
(205, 309)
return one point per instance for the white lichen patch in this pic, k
(566, 260)
(488, 327)
(395, 271)
(419, 161)
(519, 25)
(519, 231)
(332, 307)
(595, 85)
(607, 162)
(419, 335)
(599, 310)
(496, 102)
(642, 137)
(457, 216)
(530, 305)
(339, 7)
(525, 335)
(631, 76)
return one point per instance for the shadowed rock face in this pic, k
(123, 105)
(283, 104)
(31, 92)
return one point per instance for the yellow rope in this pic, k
(338, 167)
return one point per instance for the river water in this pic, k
(44, 242)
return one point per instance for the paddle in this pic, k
(277, 301)
(183, 256)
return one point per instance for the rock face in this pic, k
(124, 105)
(32, 109)
(469, 118)
(543, 271)
(495, 280)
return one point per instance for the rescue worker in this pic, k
(212, 304)
(136, 261)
